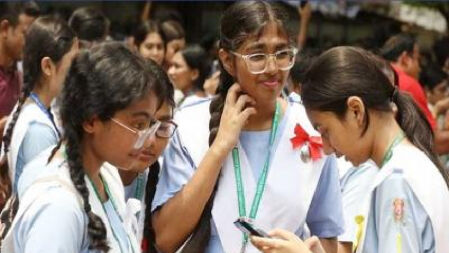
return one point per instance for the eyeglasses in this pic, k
(257, 63)
(166, 129)
(142, 135)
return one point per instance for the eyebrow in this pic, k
(260, 45)
(144, 114)
(165, 118)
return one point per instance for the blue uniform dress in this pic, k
(57, 224)
(383, 228)
(355, 185)
(178, 168)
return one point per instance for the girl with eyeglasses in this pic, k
(248, 153)
(69, 202)
(141, 180)
(349, 100)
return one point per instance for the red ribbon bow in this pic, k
(313, 142)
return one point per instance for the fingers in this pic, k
(244, 100)
(266, 244)
(283, 234)
(231, 98)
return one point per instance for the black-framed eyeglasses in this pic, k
(257, 63)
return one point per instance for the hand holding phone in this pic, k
(249, 228)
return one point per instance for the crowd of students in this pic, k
(156, 145)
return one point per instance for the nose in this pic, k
(327, 148)
(149, 142)
(272, 67)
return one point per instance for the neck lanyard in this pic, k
(45, 110)
(108, 193)
(138, 194)
(262, 178)
(397, 139)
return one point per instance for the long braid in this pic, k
(95, 228)
(148, 230)
(201, 235)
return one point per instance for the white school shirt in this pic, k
(297, 193)
(51, 206)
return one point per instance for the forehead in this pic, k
(153, 37)
(271, 36)
(321, 118)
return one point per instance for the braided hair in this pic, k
(101, 81)
(241, 20)
(47, 37)
(165, 92)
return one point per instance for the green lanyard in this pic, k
(106, 188)
(139, 187)
(397, 139)
(262, 178)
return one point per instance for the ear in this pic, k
(404, 59)
(194, 74)
(227, 60)
(92, 125)
(356, 109)
(47, 66)
(4, 26)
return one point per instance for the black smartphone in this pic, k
(249, 228)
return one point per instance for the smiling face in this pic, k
(153, 48)
(267, 86)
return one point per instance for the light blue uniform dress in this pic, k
(382, 229)
(355, 186)
(179, 166)
(57, 225)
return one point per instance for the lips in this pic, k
(271, 83)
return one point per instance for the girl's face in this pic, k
(267, 86)
(153, 150)
(343, 136)
(181, 74)
(153, 48)
(439, 92)
(113, 140)
(173, 47)
(59, 71)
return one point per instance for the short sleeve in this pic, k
(53, 225)
(399, 222)
(325, 215)
(37, 138)
(177, 169)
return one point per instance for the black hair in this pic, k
(31, 9)
(89, 24)
(102, 80)
(58, 39)
(342, 72)
(441, 50)
(396, 45)
(302, 62)
(172, 30)
(165, 92)
(239, 22)
(146, 28)
(432, 75)
(197, 58)
(11, 11)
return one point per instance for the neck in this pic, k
(44, 94)
(384, 136)
(263, 118)
(127, 176)
(5, 60)
(92, 164)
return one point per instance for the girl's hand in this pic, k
(283, 241)
(237, 109)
